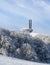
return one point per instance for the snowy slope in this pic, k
(12, 61)
(33, 34)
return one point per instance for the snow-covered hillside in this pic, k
(12, 61)
(33, 34)
(24, 45)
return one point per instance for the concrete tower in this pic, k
(30, 25)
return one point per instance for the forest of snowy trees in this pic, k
(23, 46)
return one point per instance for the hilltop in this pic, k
(25, 46)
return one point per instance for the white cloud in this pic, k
(18, 8)
(37, 10)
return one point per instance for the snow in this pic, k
(33, 34)
(12, 61)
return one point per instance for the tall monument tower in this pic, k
(30, 25)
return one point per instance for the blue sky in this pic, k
(14, 14)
